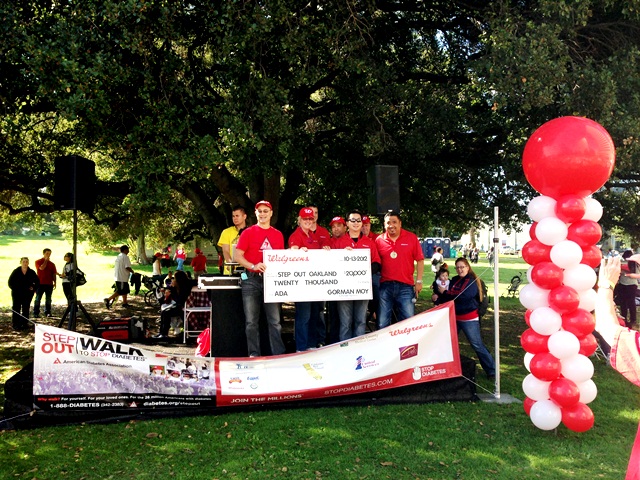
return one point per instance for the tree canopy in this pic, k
(190, 107)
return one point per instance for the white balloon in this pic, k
(545, 321)
(563, 345)
(588, 300)
(532, 296)
(593, 209)
(551, 230)
(588, 391)
(541, 207)
(566, 254)
(581, 277)
(577, 368)
(534, 388)
(527, 361)
(545, 414)
(529, 270)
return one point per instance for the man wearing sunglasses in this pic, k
(400, 254)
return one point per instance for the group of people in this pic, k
(396, 255)
(25, 282)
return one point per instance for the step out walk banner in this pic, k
(76, 371)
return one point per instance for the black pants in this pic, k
(627, 295)
(165, 319)
(21, 303)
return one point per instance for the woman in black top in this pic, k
(178, 292)
(23, 283)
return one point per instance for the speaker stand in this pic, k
(71, 313)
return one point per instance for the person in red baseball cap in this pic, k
(253, 242)
(366, 228)
(199, 264)
(310, 330)
(338, 228)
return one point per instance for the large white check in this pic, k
(317, 275)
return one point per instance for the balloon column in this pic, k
(565, 160)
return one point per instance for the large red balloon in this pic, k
(564, 299)
(547, 275)
(588, 345)
(545, 366)
(570, 208)
(535, 252)
(568, 155)
(564, 392)
(591, 256)
(533, 342)
(578, 417)
(585, 233)
(579, 322)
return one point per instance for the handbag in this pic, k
(80, 277)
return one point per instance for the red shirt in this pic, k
(363, 242)
(199, 262)
(372, 235)
(397, 257)
(255, 239)
(313, 241)
(48, 275)
(323, 236)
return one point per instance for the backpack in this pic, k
(484, 304)
(81, 279)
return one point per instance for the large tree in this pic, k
(193, 106)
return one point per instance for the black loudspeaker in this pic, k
(384, 189)
(75, 184)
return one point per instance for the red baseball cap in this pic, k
(198, 250)
(337, 220)
(306, 213)
(365, 219)
(265, 203)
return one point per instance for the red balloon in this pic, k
(527, 404)
(588, 345)
(547, 275)
(585, 233)
(533, 342)
(532, 231)
(591, 256)
(570, 208)
(535, 252)
(578, 417)
(564, 392)
(527, 317)
(579, 322)
(564, 299)
(545, 366)
(568, 155)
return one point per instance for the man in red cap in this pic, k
(338, 228)
(366, 228)
(310, 330)
(249, 254)
(199, 264)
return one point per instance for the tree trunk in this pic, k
(141, 248)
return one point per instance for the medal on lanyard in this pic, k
(393, 255)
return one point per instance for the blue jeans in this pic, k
(353, 318)
(309, 327)
(47, 290)
(252, 302)
(180, 262)
(396, 296)
(471, 330)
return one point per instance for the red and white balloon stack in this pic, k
(565, 160)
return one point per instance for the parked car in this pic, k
(509, 251)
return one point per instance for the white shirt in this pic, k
(121, 274)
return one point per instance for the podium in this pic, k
(228, 337)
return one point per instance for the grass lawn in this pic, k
(428, 441)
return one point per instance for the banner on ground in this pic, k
(317, 275)
(76, 371)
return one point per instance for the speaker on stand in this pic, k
(384, 189)
(74, 189)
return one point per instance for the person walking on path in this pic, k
(121, 274)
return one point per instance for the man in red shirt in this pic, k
(249, 254)
(199, 264)
(47, 274)
(366, 228)
(399, 249)
(310, 329)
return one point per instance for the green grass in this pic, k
(429, 441)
